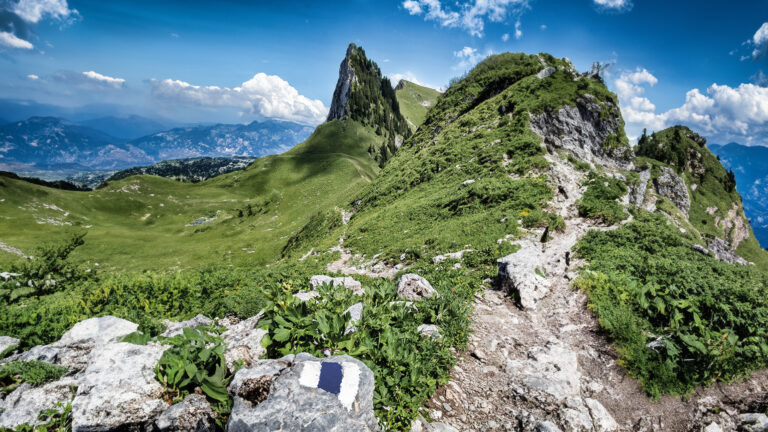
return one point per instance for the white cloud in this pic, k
(468, 15)
(263, 96)
(760, 41)
(33, 77)
(10, 40)
(505, 37)
(33, 11)
(543, 27)
(722, 113)
(103, 79)
(518, 30)
(614, 5)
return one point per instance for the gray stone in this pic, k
(194, 413)
(173, 328)
(753, 422)
(243, 341)
(355, 314)
(672, 186)
(283, 395)
(581, 130)
(546, 426)
(601, 418)
(118, 389)
(700, 249)
(414, 288)
(347, 282)
(723, 251)
(23, 405)
(453, 256)
(519, 277)
(545, 72)
(306, 295)
(343, 89)
(7, 343)
(429, 330)
(713, 427)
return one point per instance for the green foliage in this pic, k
(46, 272)
(601, 199)
(195, 359)
(319, 225)
(706, 318)
(414, 101)
(33, 372)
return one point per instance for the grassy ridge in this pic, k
(415, 101)
(142, 223)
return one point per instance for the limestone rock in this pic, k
(343, 89)
(176, 328)
(118, 389)
(23, 405)
(453, 256)
(601, 418)
(355, 314)
(193, 414)
(306, 295)
(545, 72)
(519, 277)
(581, 130)
(723, 251)
(672, 186)
(7, 343)
(243, 341)
(347, 282)
(753, 422)
(303, 393)
(414, 288)
(429, 330)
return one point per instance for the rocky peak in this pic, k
(343, 89)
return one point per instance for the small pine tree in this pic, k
(250, 210)
(240, 213)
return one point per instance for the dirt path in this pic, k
(548, 367)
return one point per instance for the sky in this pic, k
(702, 63)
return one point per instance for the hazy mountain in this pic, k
(750, 165)
(130, 127)
(224, 140)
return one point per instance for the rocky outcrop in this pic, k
(243, 340)
(23, 405)
(414, 288)
(672, 187)
(723, 251)
(193, 414)
(520, 276)
(7, 343)
(118, 389)
(303, 393)
(583, 130)
(735, 228)
(343, 89)
(176, 328)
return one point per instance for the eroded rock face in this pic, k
(118, 389)
(243, 341)
(7, 343)
(343, 88)
(303, 393)
(672, 186)
(734, 227)
(193, 414)
(581, 130)
(23, 405)
(176, 328)
(414, 288)
(724, 252)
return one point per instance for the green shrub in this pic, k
(32, 372)
(600, 200)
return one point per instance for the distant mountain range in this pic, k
(130, 127)
(750, 165)
(193, 169)
(55, 144)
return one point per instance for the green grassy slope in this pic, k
(415, 101)
(142, 223)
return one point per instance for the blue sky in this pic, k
(701, 63)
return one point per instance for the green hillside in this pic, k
(152, 223)
(415, 101)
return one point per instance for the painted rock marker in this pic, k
(341, 379)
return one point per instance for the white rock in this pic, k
(713, 427)
(414, 287)
(518, 275)
(119, 388)
(429, 330)
(306, 295)
(23, 405)
(194, 413)
(173, 328)
(347, 282)
(6, 343)
(99, 330)
(545, 72)
(355, 314)
(244, 342)
(601, 418)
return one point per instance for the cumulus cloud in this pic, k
(614, 5)
(468, 57)
(10, 40)
(33, 77)
(18, 17)
(721, 112)
(760, 41)
(518, 30)
(468, 15)
(505, 37)
(261, 96)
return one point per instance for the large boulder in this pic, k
(7, 343)
(347, 282)
(414, 288)
(23, 405)
(118, 389)
(672, 186)
(303, 393)
(519, 277)
(173, 328)
(193, 414)
(74, 348)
